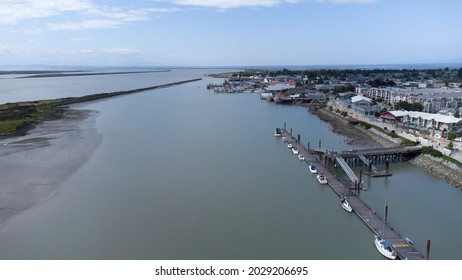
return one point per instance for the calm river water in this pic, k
(183, 173)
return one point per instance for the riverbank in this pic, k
(361, 136)
(32, 166)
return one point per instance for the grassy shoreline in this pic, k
(17, 118)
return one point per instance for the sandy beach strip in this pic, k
(32, 166)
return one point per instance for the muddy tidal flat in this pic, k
(32, 166)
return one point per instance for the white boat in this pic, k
(277, 132)
(312, 169)
(289, 146)
(301, 157)
(385, 248)
(284, 139)
(346, 205)
(295, 151)
(322, 179)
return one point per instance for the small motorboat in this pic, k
(284, 139)
(290, 146)
(277, 132)
(346, 205)
(295, 151)
(322, 178)
(385, 248)
(301, 157)
(312, 168)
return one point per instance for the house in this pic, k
(436, 124)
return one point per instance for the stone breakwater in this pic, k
(437, 167)
(440, 168)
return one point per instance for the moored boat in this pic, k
(277, 132)
(385, 248)
(301, 157)
(346, 205)
(312, 168)
(295, 151)
(284, 139)
(290, 146)
(322, 178)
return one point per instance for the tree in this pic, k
(457, 113)
(459, 73)
(418, 107)
(450, 146)
(452, 135)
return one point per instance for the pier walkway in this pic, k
(376, 224)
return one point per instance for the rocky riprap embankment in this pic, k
(440, 168)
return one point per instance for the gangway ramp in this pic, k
(347, 169)
(367, 162)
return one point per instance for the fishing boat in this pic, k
(346, 205)
(277, 132)
(312, 168)
(290, 146)
(295, 151)
(301, 157)
(322, 178)
(385, 248)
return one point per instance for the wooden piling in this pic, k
(386, 213)
(428, 248)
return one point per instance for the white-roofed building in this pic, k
(358, 104)
(438, 125)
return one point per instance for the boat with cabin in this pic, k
(301, 157)
(346, 205)
(295, 151)
(312, 168)
(277, 132)
(322, 178)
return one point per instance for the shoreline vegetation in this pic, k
(19, 117)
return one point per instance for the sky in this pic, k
(229, 32)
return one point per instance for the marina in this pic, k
(404, 249)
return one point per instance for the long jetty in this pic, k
(377, 225)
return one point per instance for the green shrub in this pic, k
(431, 151)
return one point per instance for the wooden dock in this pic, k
(376, 224)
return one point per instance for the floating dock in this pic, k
(403, 248)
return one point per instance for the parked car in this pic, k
(459, 139)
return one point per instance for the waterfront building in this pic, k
(432, 99)
(435, 124)
(356, 104)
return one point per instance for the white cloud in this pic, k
(230, 4)
(14, 11)
(108, 17)
(88, 14)
(123, 51)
